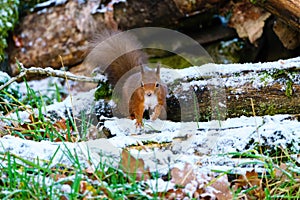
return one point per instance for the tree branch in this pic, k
(55, 73)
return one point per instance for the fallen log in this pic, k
(200, 93)
(133, 13)
(287, 25)
(56, 36)
(288, 11)
(209, 92)
(51, 32)
(225, 91)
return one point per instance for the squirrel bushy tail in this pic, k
(114, 53)
(118, 55)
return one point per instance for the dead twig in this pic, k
(55, 73)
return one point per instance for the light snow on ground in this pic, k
(190, 142)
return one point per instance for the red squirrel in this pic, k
(117, 53)
(151, 94)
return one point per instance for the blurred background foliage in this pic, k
(9, 16)
(10, 10)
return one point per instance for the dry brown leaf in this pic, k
(71, 138)
(63, 197)
(82, 186)
(61, 125)
(253, 179)
(248, 20)
(18, 41)
(56, 177)
(133, 166)
(87, 189)
(28, 128)
(278, 172)
(90, 170)
(198, 193)
(222, 185)
(173, 194)
(183, 177)
(250, 180)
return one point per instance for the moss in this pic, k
(289, 88)
(271, 107)
(267, 109)
(103, 91)
(179, 62)
(264, 78)
(226, 51)
(173, 61)
(286, 76)
(253, 1)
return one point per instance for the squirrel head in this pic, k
(150, 80)
(150, 88)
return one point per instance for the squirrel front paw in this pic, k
(156, 113)
(153, 117)
(138, 124)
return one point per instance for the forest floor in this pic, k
(246, 157)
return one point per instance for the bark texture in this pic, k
(270, 90)
(64, 30)
(133, 13)
(287, 10)
(57, 36)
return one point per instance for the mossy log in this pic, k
(226, 91)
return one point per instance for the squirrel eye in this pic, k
(157, 85)
(142, 84)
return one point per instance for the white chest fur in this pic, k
(150, 102)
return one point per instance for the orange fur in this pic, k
(108, 52)
(150, 95)
(115, 54)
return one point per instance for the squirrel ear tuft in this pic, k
(142, 72)
(158, 68)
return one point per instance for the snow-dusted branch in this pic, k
(55, 73)
(22, 73)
